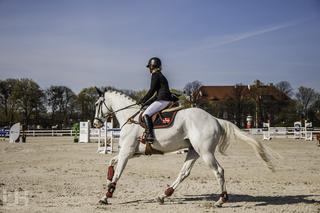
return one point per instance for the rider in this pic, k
(160, 86)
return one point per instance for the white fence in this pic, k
(278, 132)
(283, 132)
(49, 132)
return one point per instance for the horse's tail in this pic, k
(232, 132)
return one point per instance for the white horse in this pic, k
(193, 128)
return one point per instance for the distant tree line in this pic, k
(303, 104)
(22, 100)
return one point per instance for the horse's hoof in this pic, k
(160, 200)
(218, 203)
(103, 201)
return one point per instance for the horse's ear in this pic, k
(99, 91)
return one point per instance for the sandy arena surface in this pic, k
(55, 175)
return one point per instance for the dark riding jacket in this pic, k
(159, 85)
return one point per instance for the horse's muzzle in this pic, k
(97, 123)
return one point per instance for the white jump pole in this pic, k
(109, 149)
(308, 131)
(266, 131)
(103, 133)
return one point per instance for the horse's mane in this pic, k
(126, 93)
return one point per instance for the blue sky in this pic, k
(80, 43)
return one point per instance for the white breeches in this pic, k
(156, 107)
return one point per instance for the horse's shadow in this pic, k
(260, 200)
(238, 198)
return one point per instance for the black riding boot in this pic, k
(149, 129)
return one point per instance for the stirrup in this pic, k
(150, 139)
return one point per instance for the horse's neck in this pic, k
(118, 101)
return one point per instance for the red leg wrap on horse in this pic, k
(109, 195)
(111, 188)
(110, 173)
(169, 191)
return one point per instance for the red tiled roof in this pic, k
(222, 93)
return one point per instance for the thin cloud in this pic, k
(247, 35)
(243, 36)
(219, 41)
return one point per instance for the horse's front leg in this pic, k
(114, 175)
(110, 172)
(111, 165)
(191, 158)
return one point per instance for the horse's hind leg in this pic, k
(191, 158)
(211, 161)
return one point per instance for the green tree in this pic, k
(61, 102)
(86, 103)
(315, 111)
(29, 99)
(7, 102)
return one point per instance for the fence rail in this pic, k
(276, 131)
(60, 132)
(50, 132)
(283, 132)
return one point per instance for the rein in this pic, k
(114, 112)
(131, 120)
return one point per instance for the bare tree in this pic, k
(238, 102)
(306, 97)
(191, 88)
(285, 87)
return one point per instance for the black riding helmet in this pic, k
(154, 63)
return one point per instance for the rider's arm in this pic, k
(153, 88)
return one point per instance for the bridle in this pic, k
(106, 116)
(110, 113)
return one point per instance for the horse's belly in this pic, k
(171, 146)
(165, 146)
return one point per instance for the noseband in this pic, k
(106, 116)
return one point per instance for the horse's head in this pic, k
(102, 110)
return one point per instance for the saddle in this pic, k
(164, 118)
